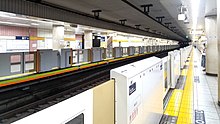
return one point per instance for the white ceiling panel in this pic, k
(115, 10)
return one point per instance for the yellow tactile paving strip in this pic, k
(174, 103)
(187, 63)
(186, 109)
(181, 101)
(184, 72)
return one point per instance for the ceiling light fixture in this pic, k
(186, 21)
(195, 12)
(182, 15)
(34, 24)
(11, 23)
(197, 32)
(6, 14)
(25, 18)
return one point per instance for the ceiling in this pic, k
(11, 19)
(131, 10)
(172, 6)
(159, 10)
(116, 10)
(47, 24)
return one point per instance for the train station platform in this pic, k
(194, 100)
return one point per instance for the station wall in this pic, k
(38, 38)
(8, 33)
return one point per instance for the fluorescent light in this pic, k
(13, 16)
(35, 24)
(186, 21)
(197, 32)
(12, 23)
(181, 16)
(203, 38)
(195, 11)
(27, 19)
(6, 14)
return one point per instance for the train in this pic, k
(99, 105)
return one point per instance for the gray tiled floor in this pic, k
(206, 93)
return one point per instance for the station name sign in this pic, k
(22, 37)
(132, 88)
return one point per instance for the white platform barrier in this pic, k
(139, 92)
(184, 53)
(75, 110)
(183, 57)
(166, 75)
(175, 67)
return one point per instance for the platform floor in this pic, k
(196, 101)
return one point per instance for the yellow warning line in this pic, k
(181, 101)
(174, 103)
(184, 72)
(186, 109)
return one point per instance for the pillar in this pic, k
(218, 45)
(58, 37)
(211, 48)
(88, 39)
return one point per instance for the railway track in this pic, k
(22, 100)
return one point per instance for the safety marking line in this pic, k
(186, 112)
(200, 117)
(167, 98)
(180, 105)
(166, 119)
(173, 106)
(185, 67)
(174, 103)
(196, 79)
(184, 72)
(181, 82)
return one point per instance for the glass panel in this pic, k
(74, 57)
(15, 59)
(81, 56)
(136, 50)
(15, 68)
(109, 52)
(29, 66)
(125, 51)
(29, 57)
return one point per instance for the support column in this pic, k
(211, 49)
(88, 39)
(58, 37)
(218, 39)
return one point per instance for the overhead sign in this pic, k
(22, 37)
